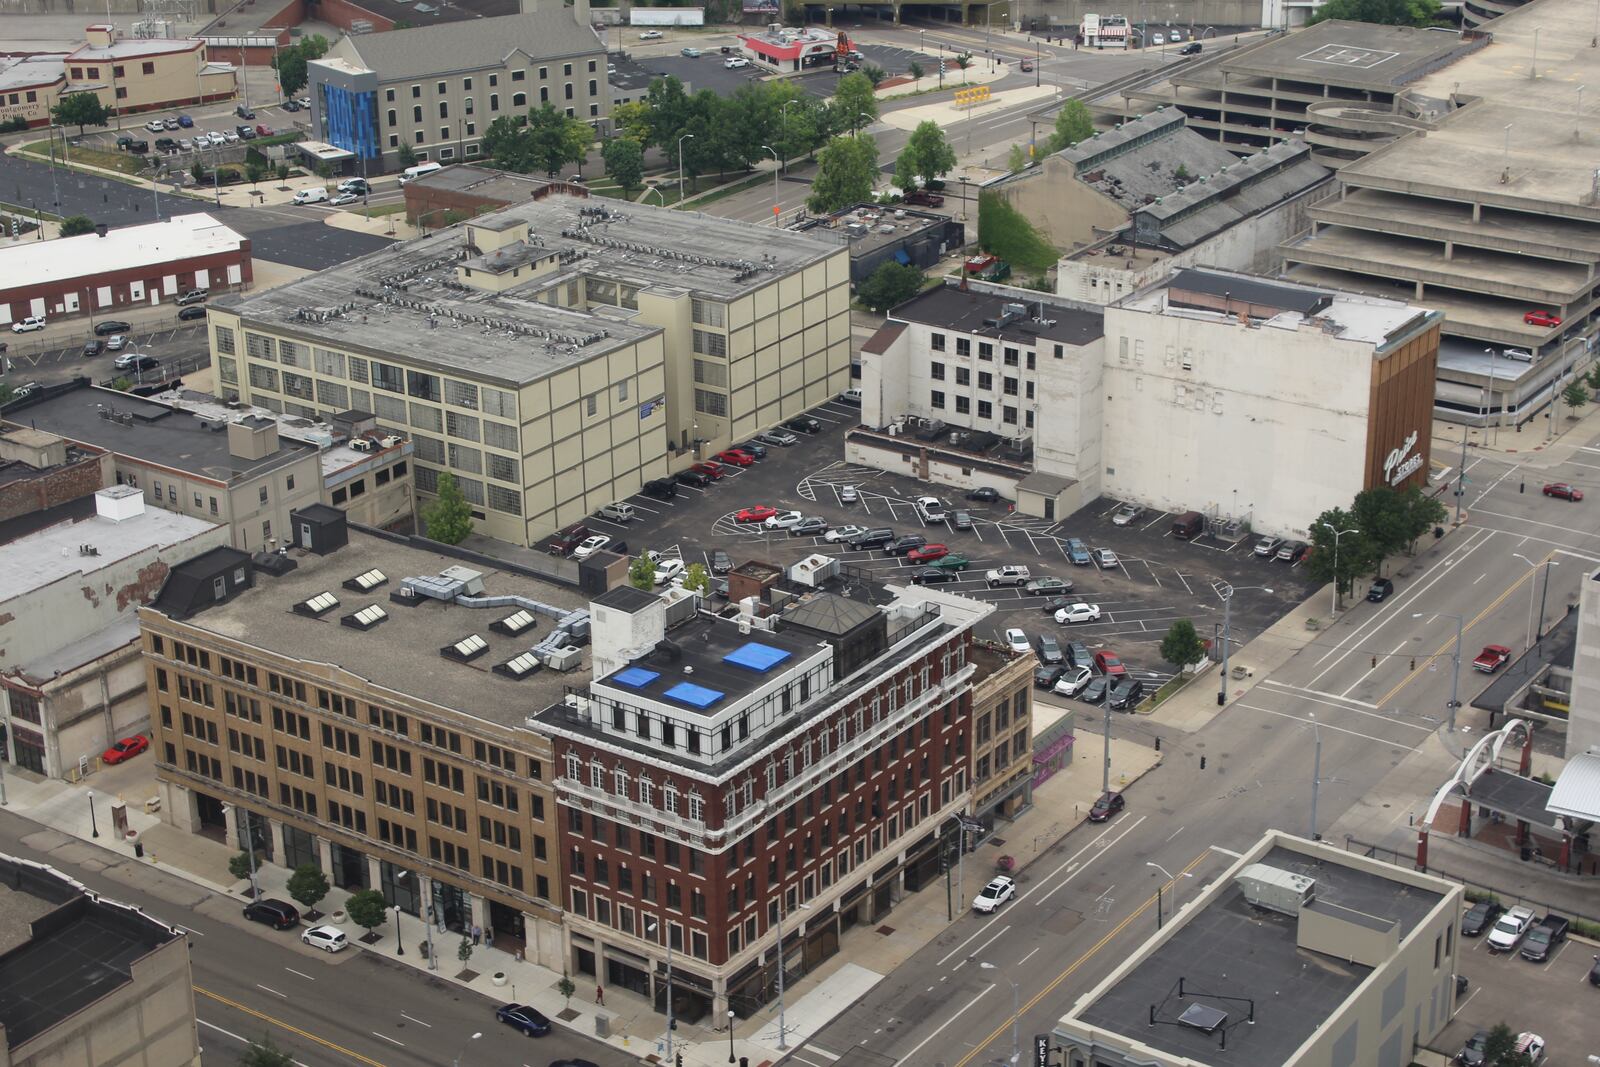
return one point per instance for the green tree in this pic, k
(1500, 1050)
(291, 62)
(854, 97)
(1073, 124)
(927, 154)
(308, 885)
(367, 909)
(283, 172)
(1354, 554)
(892, 283)
(915, 69)
(1380, 514)
(407, 155)
(1383, 12)
(698, 579)
(963, 61)
(874, 74)
(624, 161)
(74, 225)
(254, 172)
(1420, 513)
(632, 120)
(464, 950)
(1017, 159)
(1182, 646)
(6, 393)
(262, 1052)
(546, 140)
(642, 573)
(80, 109)
(239, 865)
(845, 174)
(198, 172)
(566, 988)
(448, 519)
(1575, 396)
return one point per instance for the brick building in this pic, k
(723, 777)
(40, 471)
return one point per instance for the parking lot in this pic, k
(1156, 580)
(706, 71)
(65, 359)
(1552, 999)
(225, 124)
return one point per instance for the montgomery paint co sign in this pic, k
(1401, 463)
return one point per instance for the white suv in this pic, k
(996, 893)
(28, 325)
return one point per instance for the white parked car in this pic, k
(1126, 514)
(590, 545)
(735, 62)
(28, 325)
(996, 893)
(229, 138)
(1106, 558)
(1530, 1045)
(1072, 682)
(155, 125)
(1509, 929)
(783, 520)
(218, 140)
(650, 35)
(1078, 613)
(849, 494)
(843, 533)
(668, 569)
(327, 938)
(1018, 640)
(1157, 39)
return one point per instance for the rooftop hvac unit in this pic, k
(564, 659)
(1275, 889)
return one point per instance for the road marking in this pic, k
(973, 954)
(1175, 833)
(274, 992)
(1075, 873)
(958, 948)
(419, 1022)
(1315, 693)
(307, 977)
(908, 1057)
(1028, 957)
(1330, 726)
(1534, 522)
(383, 1037)
(291, 1028)
(236, 1037)
(1225, 851)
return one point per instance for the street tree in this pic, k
(1420, 512)
(75, 225)
(845, 174)
(367, 909)
(1017, 159)
(892, 283)
(916, 70)
(927, 153)
(308, 886)
(239, 865)
(1073, 124)
(1182, 645)
(448, 519)
(198, 172)
(556, 140)
(254, 172)
(566, 988)
(291, 62)
(854, 98)
(698, 579)
(624, 161)
(283, 172)
(1594, 378)
(874, 74)
(262, 1052)
(80, 109)
(1380, 514)
(632, 120)
(1500, 1050)
(1354, 556)
(963, 61)
(1575, 396)
(1382, 12)
(642, 573)
(407, 155)
(464, 950)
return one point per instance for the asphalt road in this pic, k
(1086, 904)
(328, 1011)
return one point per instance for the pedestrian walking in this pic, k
(488, 937)
(600, 995)
(477, 934)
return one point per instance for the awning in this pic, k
(1577, 792)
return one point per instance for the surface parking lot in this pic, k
(1552, 999)
(64, 359)
(1157, 580)
(706, 71)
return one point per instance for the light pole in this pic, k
(961, 861)
(1173, 878)
(1455, 659)
(249, 837)
(1016, 1010)
(783, 1029)
(786, 144)
(399, 945)
(1226, 593)
(93, 825)
(1494, 355)
(1336, 535)
(457, 1061)
(855, 129)
(1316, 773)
(776, 163)
(651, 930)
(1547, 564)
(685, 137)
(730, 1036)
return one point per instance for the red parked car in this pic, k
(709, 469)
(127, 748)
(1563, 491)
(1108, 664)
(928, 553)
(1541, 318)
(734, 458)
(759, 513)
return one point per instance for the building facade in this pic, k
(726, 782)
(435, 89)
(1002, 731)
(132, 266)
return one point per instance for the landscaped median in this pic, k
(1174, 686)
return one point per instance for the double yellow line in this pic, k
(324, 1042)
(1005, 1024)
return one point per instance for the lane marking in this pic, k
(908, 1057)
(1330, 726)
(958, 948)
(236, 1037)
(291, 1028)
(1068, 879)
(302, 974)
(419, 1022)
(1329, 698)
(973, 954)
(383, 1037)
(274, 992)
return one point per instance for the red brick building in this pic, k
(723, 776)
(134, 266)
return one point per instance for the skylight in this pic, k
(520, 667)
(635, 677)
(469, 647)
(318, 605)
(514, 624)
(366, 583)
(755, 656)
(366, 618)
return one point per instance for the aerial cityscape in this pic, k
(933, 533)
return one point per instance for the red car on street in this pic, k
(1108, 664)
(1541, 318)
(709, 469)
(928, 553)
(127, 748)
(759, 513)
(734, 458)
(1491, 659)
(1563, 491)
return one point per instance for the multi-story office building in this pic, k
(555, 355)
(1002, 731)
(368, 708)
(725, 779)
(437, 88)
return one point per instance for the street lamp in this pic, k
(1173, 878)
(730, 1034)
(457, 1061)
(855, 130)
(1226, 593)
(399, 946)
(1532, 630)
(250, 843)
(651, 930)
(783, 1029)
(93, 825)
(1455, 658)
(685, 137)
(1016, 1047)
(786, 144)
(1336, 535)
(775, 164)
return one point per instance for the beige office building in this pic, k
(556, 355)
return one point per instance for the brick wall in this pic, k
(342, 13)
(58, 486)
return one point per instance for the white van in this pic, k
(311, 196)
(411, 174)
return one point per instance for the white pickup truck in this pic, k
(1011, 574)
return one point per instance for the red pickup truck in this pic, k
(1491, 659)
(925, 198)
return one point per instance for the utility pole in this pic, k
(1539, 630)
(1316, 774)
(1227, 643)
(1105, 772)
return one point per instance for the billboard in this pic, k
(667, 16)
(763, 7)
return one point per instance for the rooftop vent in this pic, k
(318, 605)
(468, 648)
(366, 618)
(367, 582)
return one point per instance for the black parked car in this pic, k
(809, 526)
(804, 424)
(661, 488)
(1380, 589)
(1078, 654)
(1479, 918)
(1046, 677)
(1126, 693)
(872, 539)
(1095, 691)
(694, 478)
(1056, 603)
(277, 914)
(1108, 805)
(901, 545)
(934, 576)
(194, 311)
(720, 563)
(93, 348)
(984, 494)
(107, 327)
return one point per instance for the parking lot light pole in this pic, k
(1336, 535)
(1226, 593)
(1455, 660)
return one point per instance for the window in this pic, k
(416, 92)
(388, 94)
(963, 376)
(936, 342)
(963, 346)
(936, 401)
(985, 350)
(711, 344)
(416, 113)
(519, 100)
(985, 410)
(1008, 415)
(936, 370)
(709, 403)
(494, 101)
(963, 405)
(986, 381)
(1011, 355)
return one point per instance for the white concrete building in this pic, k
(1264, 402)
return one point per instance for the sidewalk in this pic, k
(626, 1022)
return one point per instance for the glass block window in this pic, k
(258, 347)
(429, 449)
(271, 403)
(708, 373)
(460, 394)
(358, 369)
(467, 459)
(263, 377)
(391, 410)
(709, 403)
(504, 468)
(600, 291)
(360, 400)
(293, 354)
(499, 435)
(303, 410)
(329, 363)
(228, 370)
(711, 344)
(471, 488)
(297, 385)
(427, 480)
(503, 499)
(499, 403)
(333, 395)
(428, 418)
(225, 341)
(708, 312)
(462, 426)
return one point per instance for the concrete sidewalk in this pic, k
(625, 1021)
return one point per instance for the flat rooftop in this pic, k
(157, 433)
(949, 308)
(83, 948)
(1362, 319)
(27, 265)
(481, 181)
(1227, 948)
(401, 653)
(38, 559)
(901, 223)
(1353, 55)
(512, 336)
